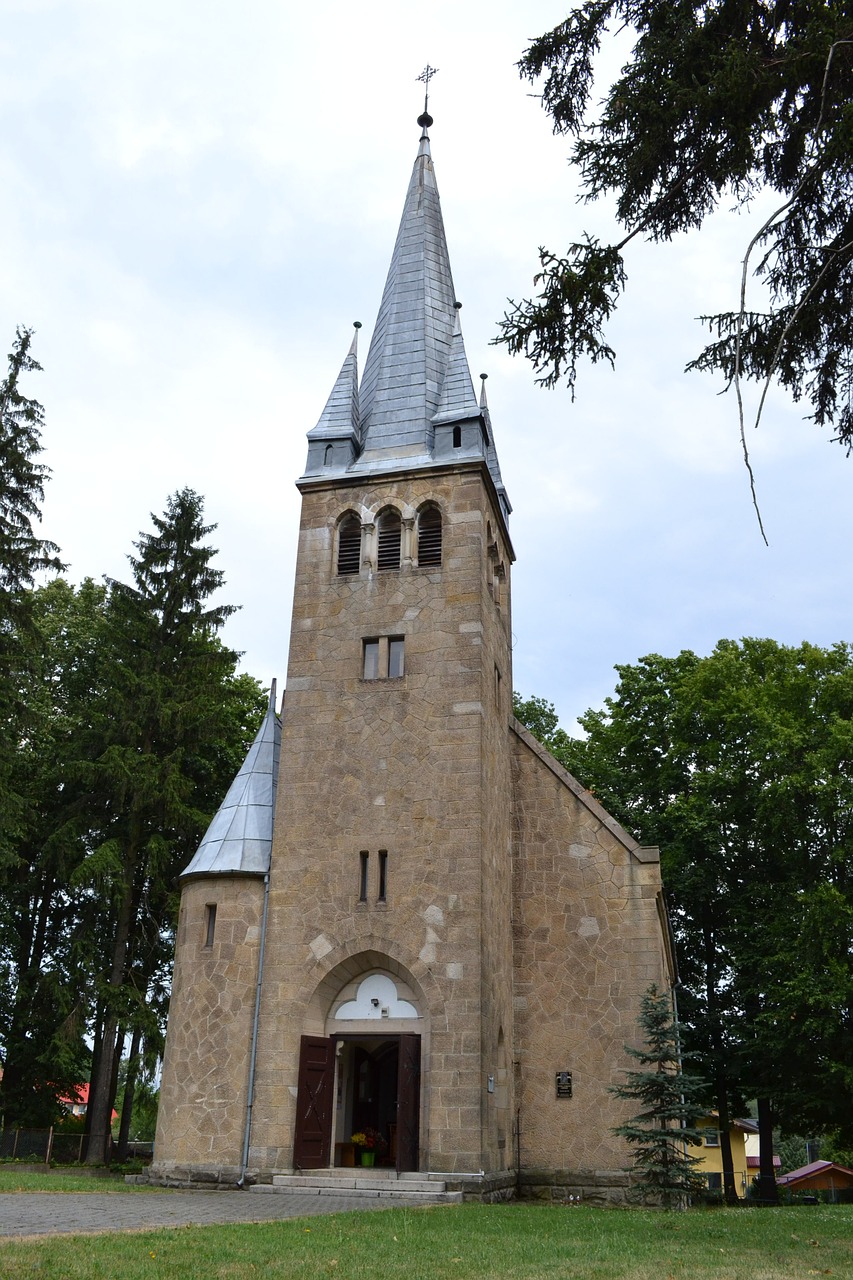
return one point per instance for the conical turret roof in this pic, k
(239, 839)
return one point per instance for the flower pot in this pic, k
(368, 1159)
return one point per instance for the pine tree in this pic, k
(669, 1101)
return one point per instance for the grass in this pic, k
(466, 1242)
(14, 1180)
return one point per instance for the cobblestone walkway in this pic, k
(46, 1213)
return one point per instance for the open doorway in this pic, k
(358, 1083)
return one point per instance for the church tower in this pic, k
(390, 950)
(438, 922)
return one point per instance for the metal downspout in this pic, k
(254, 1050)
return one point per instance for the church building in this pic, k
(407, 922)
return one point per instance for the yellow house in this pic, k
(711, 1156)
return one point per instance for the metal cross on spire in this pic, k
(426, 75)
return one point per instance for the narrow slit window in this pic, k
(363, 869)
(383, 875)
(209, 923)
(370, 663)
(429, 537)
(497, 687)
(396, 665)
(349, 546)
(390, 539)
(457, 437)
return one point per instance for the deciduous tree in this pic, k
(739, 766)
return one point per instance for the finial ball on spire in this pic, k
(425, 120)
(356, 324)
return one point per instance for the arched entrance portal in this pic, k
(362, 1076)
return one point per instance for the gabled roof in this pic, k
(809, 1171)
(239, 839)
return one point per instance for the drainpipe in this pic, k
(254, 1050)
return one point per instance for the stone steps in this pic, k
(378, 1183)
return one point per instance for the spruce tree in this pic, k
(22, 480)
(162, 759)
(22, 556)
(661, 1130)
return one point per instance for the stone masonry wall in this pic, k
(202, 1109)
(588, 942)
(395, 765)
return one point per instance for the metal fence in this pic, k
(47, 1146)
(52, 1146)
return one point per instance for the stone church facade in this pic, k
(406, 916)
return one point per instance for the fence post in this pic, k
(49, 1151)
(15, 1143)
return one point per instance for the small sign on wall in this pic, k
(564, 1084)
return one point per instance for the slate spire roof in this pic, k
(340, 418)
(416, 387)
(239, 839)
(408, 356)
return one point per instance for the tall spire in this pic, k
(408, 356)
(416, 405)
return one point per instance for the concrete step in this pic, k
(379, 1183)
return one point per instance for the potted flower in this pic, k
(370, 1143)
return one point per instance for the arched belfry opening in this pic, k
(362, 1075)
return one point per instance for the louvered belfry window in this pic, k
(429, 537)
(390, 535)
(349, 546)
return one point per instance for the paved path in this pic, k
(49, 1213)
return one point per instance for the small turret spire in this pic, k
(334, 441)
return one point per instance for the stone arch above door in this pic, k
(353, 984)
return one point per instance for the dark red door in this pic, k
(314, 1103)
(408, 1104)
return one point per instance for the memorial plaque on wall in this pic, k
(564, 1084)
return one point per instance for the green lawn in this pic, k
(466, 1242)
(16, 1181)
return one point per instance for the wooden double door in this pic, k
(383, 1084)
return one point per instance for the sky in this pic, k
(199, 199)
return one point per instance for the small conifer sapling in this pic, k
(663, 1127)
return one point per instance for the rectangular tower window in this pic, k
(383, 659)
(383, 874)
(370, 667)
(395, 657)
(209, 923)
(364, 862)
